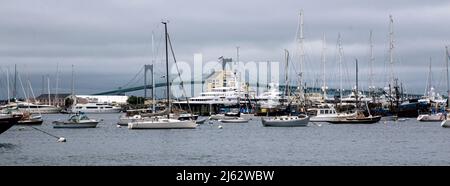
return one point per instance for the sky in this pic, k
(108, 42)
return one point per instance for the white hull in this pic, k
(123, 121)
(96, 111)
(330, 117)
(163, 124)
(234, 120)
(445, 124)
(286, 122)
(431, 117)
(41, 110)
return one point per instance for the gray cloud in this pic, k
(114, 37)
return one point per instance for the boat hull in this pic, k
(7, 122)
(30, 122)
(368, 120)
(300, 122)
(240, 120)
(91, 124)
(445, 124)
(431, 118)
(163, 124)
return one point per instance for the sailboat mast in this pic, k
(323, 67)
(340, 67)
(391, 51)
(153, 77)
(167, 69)
(372, 59)
(15, 82)
(356, 88)
(448, 88)
(7, 85)
(56, 88)
(73, 83)
(48, 89)
(286, 70)
(302, 53)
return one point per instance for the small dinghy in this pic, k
(234, 120)
(78, 120)
(445, 124)
(201, 121)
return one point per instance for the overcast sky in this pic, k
(109, 41)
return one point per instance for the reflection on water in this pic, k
(7, 146)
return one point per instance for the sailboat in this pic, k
(164, 123)
(359, 118)
(287, 120)
(433, 101)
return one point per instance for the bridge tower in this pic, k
(147, 68)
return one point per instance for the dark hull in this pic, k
(357, 121)
(6, 123)
(30, 122)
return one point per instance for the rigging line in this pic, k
(179, 75)
(135, 76)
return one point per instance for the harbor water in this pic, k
(384, 143)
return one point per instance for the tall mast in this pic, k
(73, 83)
(286, 70)
(48, 89)
(15, 82)
(300, 41)
(324, 86)
(7, 84)
(391, 51)
(340, 67)
(167, 69)
(153, 77)
(372, 59)
(56, 88)
(448, 88)
(356, 88)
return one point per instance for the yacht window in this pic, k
(91, 107)
(326, 111)
(321, 112)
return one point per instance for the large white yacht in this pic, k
(95, 108)
(272, 98)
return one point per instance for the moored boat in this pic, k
(78, 120)
(431, 117)
(7, 121)
(234, 120)
(286, 121)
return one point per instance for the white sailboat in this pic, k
(434, 100)
(164, 123)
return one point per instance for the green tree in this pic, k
(134, 100)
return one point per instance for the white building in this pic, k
(109, 99)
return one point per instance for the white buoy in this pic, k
(118, 126)
(62, 139)
(220, 127)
